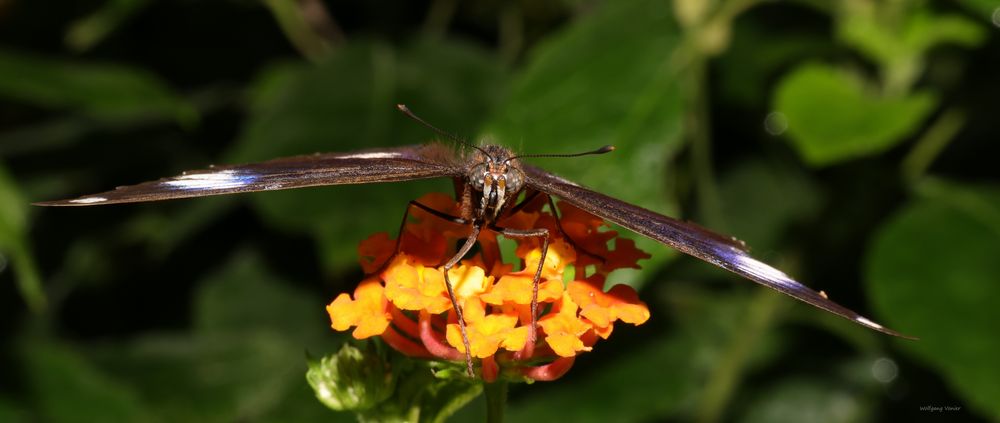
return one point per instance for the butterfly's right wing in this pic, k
(725, 252)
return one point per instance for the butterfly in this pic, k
(489, 180)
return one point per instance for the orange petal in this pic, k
(518, 287)
(435, 225)
(487, 333)
(572, 214)
(374, 251)
(473, 310)
(468, 281)
(437, 201)
(604, 308)
(602, 331)
(520, 220)
(368, 311)
(563, 328)
(563, 334)
(559, 255)
(625, 255)
(424, 245)
(415, 287)
(629, 308)
(565, 344)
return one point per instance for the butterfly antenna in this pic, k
(406, 111)
(602, 150)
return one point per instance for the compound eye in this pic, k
(477, 177)
(514, 180)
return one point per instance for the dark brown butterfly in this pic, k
(489, 181)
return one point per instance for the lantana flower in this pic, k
(405, 302)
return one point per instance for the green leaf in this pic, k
(14, 242)
(665, 375)
(926, 31)
(243, 361)
(13, 412)
(427, 392)
(46, 135)
(110, 92)
(932, 273)
(583, 88)
(347, 103)
(626, 390)
(216, 377)
(184, 223)
(832, 118)
(920, 31)
(809, 401)
(988, 9)
(299, 29)
(86, 32)
(762, 200)
(299, 405)
(13, 206)
(69, 388)
(745, 71)
(244, 296)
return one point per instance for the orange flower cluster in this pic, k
(407, 303)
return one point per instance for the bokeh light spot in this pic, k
(775, 123)
(885, 370)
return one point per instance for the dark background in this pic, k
(874, 179)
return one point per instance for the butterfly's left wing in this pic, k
(725, 252)
(360, 167)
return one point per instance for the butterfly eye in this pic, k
(477, 176)
(514, 179)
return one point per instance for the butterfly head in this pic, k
(496, 178)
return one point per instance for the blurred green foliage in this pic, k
(949, 240)
(102, 91)
(850, 143)
(14, 242)
(832, 119)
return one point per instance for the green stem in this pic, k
(496, 400)
(511, 33)
(729, 369)
(28, 280)
(931, 144)
(295, 26)
(697, 123)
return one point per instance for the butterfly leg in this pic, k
(473, 236)
(523, 203)
(402, 226)
(531, 233)
(555, 213)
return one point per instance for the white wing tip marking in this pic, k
(867, 322)
(89, 200)
(762, 269)
(374, 155)
(218, 180)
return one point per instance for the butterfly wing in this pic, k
(367, 166)
(725, 252)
